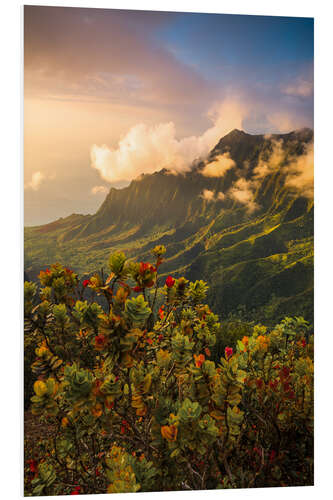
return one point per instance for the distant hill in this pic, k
(261, 259)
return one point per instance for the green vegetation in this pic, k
(147, 396)
(261, 260)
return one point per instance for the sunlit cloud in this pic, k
(219, 166)
(148, 149)
(301, 173)
(243, 192)
(300, 88)
(36, 180)
(267, 165)
(99, 190)
(207, 195)
(117, 91)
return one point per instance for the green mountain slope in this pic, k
(261, 259)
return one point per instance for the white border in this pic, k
(11, 270)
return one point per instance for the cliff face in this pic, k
(261, 258)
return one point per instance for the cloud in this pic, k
(36, 180)
(207, 195)
(243, 192)
(300, 88)
(284, 121)
(219, 166)
(147, 149)
(268, 164)
(298, 169)
(99, 189)
(112, 57)
(300, 176)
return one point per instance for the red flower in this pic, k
(303, 342)
(160, 337)
(143, 267)
(76, 490)
(137, 289)
(149, 340)
(124, 426)
(170, 282)
(100, 341)
(32, 465)
(86, 283)
(228, 352)
(199, 360)
(161, 312)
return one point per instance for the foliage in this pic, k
(263, 259)
(139, 398)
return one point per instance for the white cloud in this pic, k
(147, 149)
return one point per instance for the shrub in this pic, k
(136, 401)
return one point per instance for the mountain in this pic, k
(254, 247)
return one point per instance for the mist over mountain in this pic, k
(242, 219)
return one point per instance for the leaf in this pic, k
(109, 278)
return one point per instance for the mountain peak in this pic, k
(236, 133)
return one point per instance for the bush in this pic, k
(136, 402)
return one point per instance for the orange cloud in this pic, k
(36, 180)
(243, 192)
(219, 166)
(99, 190)
(207, 195)
(300, 176)
(148, 149)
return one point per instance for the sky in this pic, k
(112, 94)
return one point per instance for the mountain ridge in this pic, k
(218, 240)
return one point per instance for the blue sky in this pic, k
(211, 41)
(102, 86)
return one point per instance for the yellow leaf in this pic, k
(40, 388)
(147, 383)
